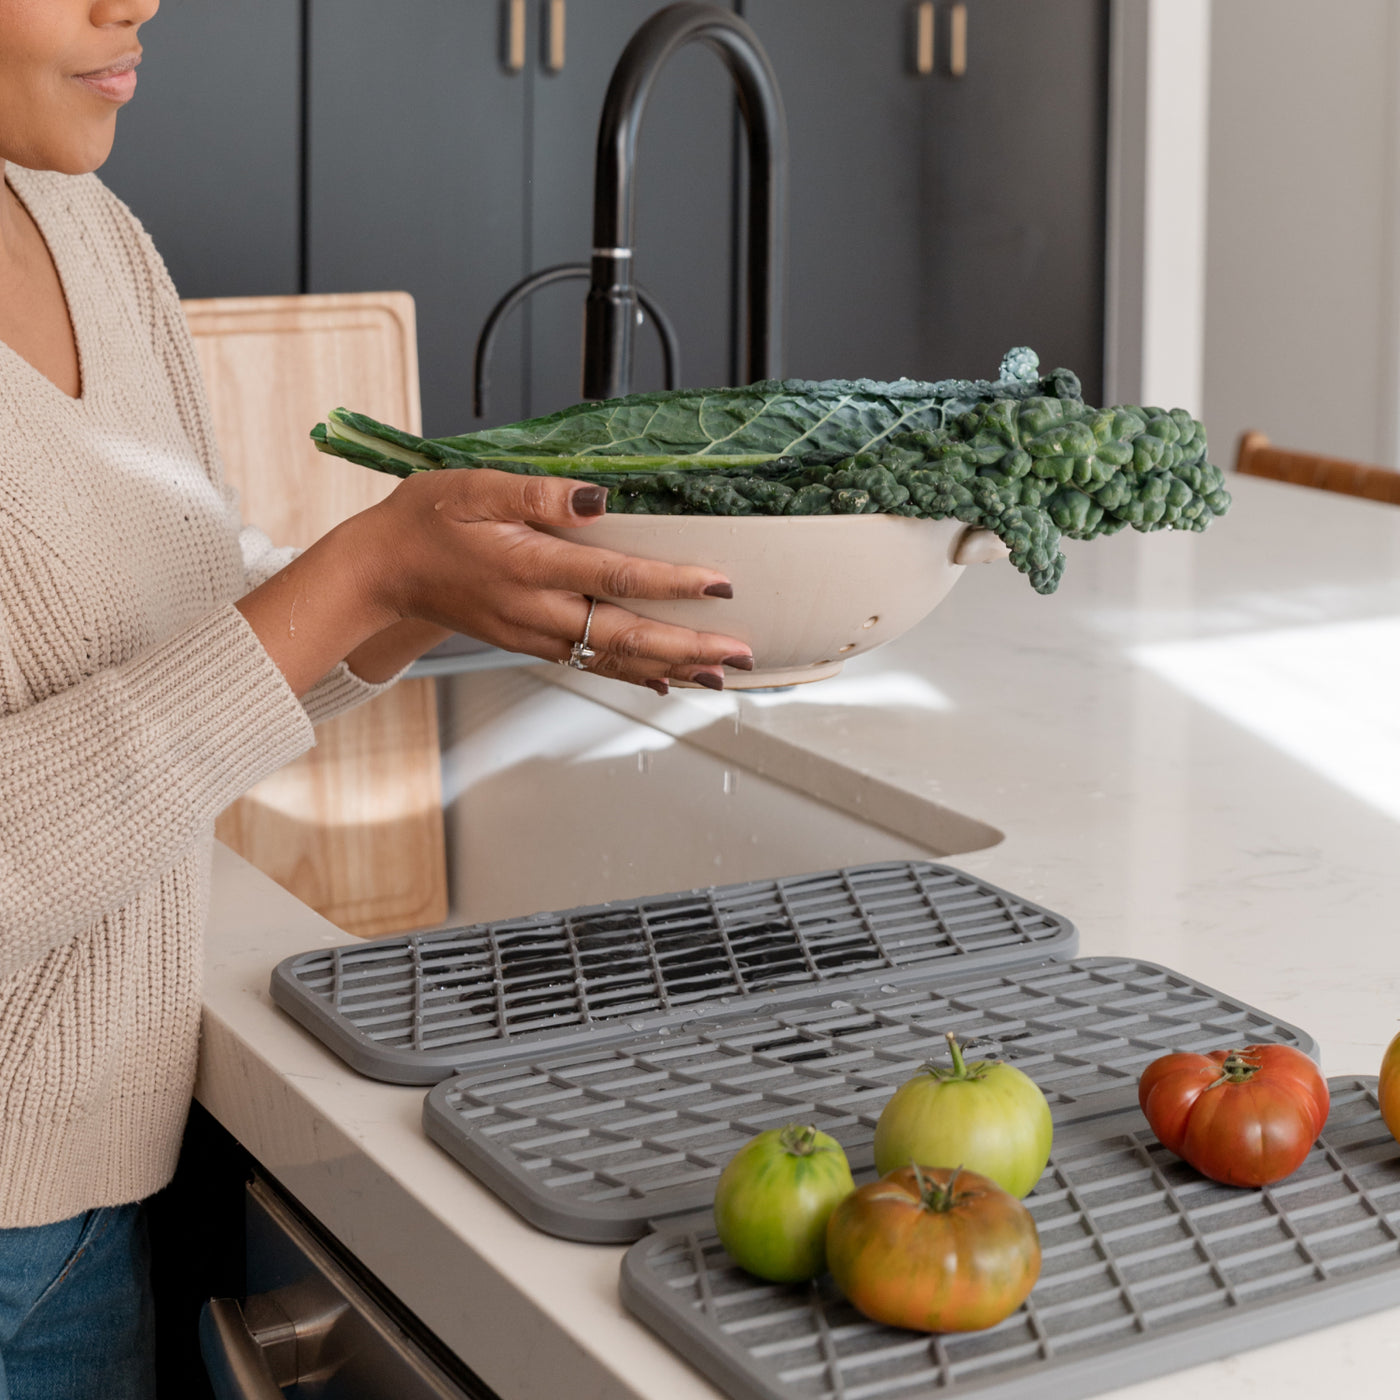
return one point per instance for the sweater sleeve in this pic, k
(108, 782)
(340, 689)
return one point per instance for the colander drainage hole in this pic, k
(871, 621)
(850, 646)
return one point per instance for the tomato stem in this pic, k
(933, 1196)
(800, 1139)
(961, 1069)
(1236, 1069)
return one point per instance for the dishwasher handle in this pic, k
(270, 1340)
(237, 1365)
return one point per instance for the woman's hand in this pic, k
(457, 550)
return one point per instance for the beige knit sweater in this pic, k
(135, 703)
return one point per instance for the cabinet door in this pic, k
(207, 152)
(938, 220)
(417, 174)
(685, 200)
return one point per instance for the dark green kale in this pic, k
(1022, 456)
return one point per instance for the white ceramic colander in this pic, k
(811, 591)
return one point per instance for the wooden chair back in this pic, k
(1257, 456)
(355, 827)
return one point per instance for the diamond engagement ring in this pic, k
(580, 654)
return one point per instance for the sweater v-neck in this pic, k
(67, 282)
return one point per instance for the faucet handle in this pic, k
(547, 277)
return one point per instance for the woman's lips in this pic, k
(116, 82)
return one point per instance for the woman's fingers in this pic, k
(481, 493)
(486, 495)
(622, 634)
(656, 675)
(631, 647)
(587, 569)
(468, 556)
(615, 668)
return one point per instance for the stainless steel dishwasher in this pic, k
(313, 1327)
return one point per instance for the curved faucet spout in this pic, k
(610, 314)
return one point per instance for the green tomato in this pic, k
(773, 1200)
(988, 1118)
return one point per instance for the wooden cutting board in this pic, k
(355, 827)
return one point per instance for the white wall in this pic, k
(1302, 293)
(1154, 331)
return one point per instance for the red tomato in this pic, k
(933, 1249)
(1244, 1117)
(1389, 1088)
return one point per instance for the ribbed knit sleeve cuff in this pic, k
(223, 725)
(339, 691)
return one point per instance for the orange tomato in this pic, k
(1389, 1089)
(933, 1249)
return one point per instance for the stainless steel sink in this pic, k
(554, 801)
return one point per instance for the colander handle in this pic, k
(978, 546)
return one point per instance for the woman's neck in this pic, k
(16, 254)
(9, 230)
(12, 224)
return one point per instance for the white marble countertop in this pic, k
(1193, 750)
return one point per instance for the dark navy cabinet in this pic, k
(417, 169)
(685, 201)
(208, 153)
(936, 219)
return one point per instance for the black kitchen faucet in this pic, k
(610, 314)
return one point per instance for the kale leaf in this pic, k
(1022, 456)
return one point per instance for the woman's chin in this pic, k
(83, 153)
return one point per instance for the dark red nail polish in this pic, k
(590, 500)
(720, 590)
(739, 663)
(660, 687)
(709, 681)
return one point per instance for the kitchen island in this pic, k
(1192, 751)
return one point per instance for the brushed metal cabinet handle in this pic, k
(957, 40)
(554, 54)
(923, 38)
(238, 1369)
(514, 56)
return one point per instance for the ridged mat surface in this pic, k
(596, 1144)
(1147, 1267)
(414, 1009)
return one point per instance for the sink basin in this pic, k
(554, 801)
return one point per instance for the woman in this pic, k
(154, 665)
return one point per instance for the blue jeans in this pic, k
(76, 1321)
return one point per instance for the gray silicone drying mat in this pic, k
(597, 1144)
(1147, 1267)
(414, 1010)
